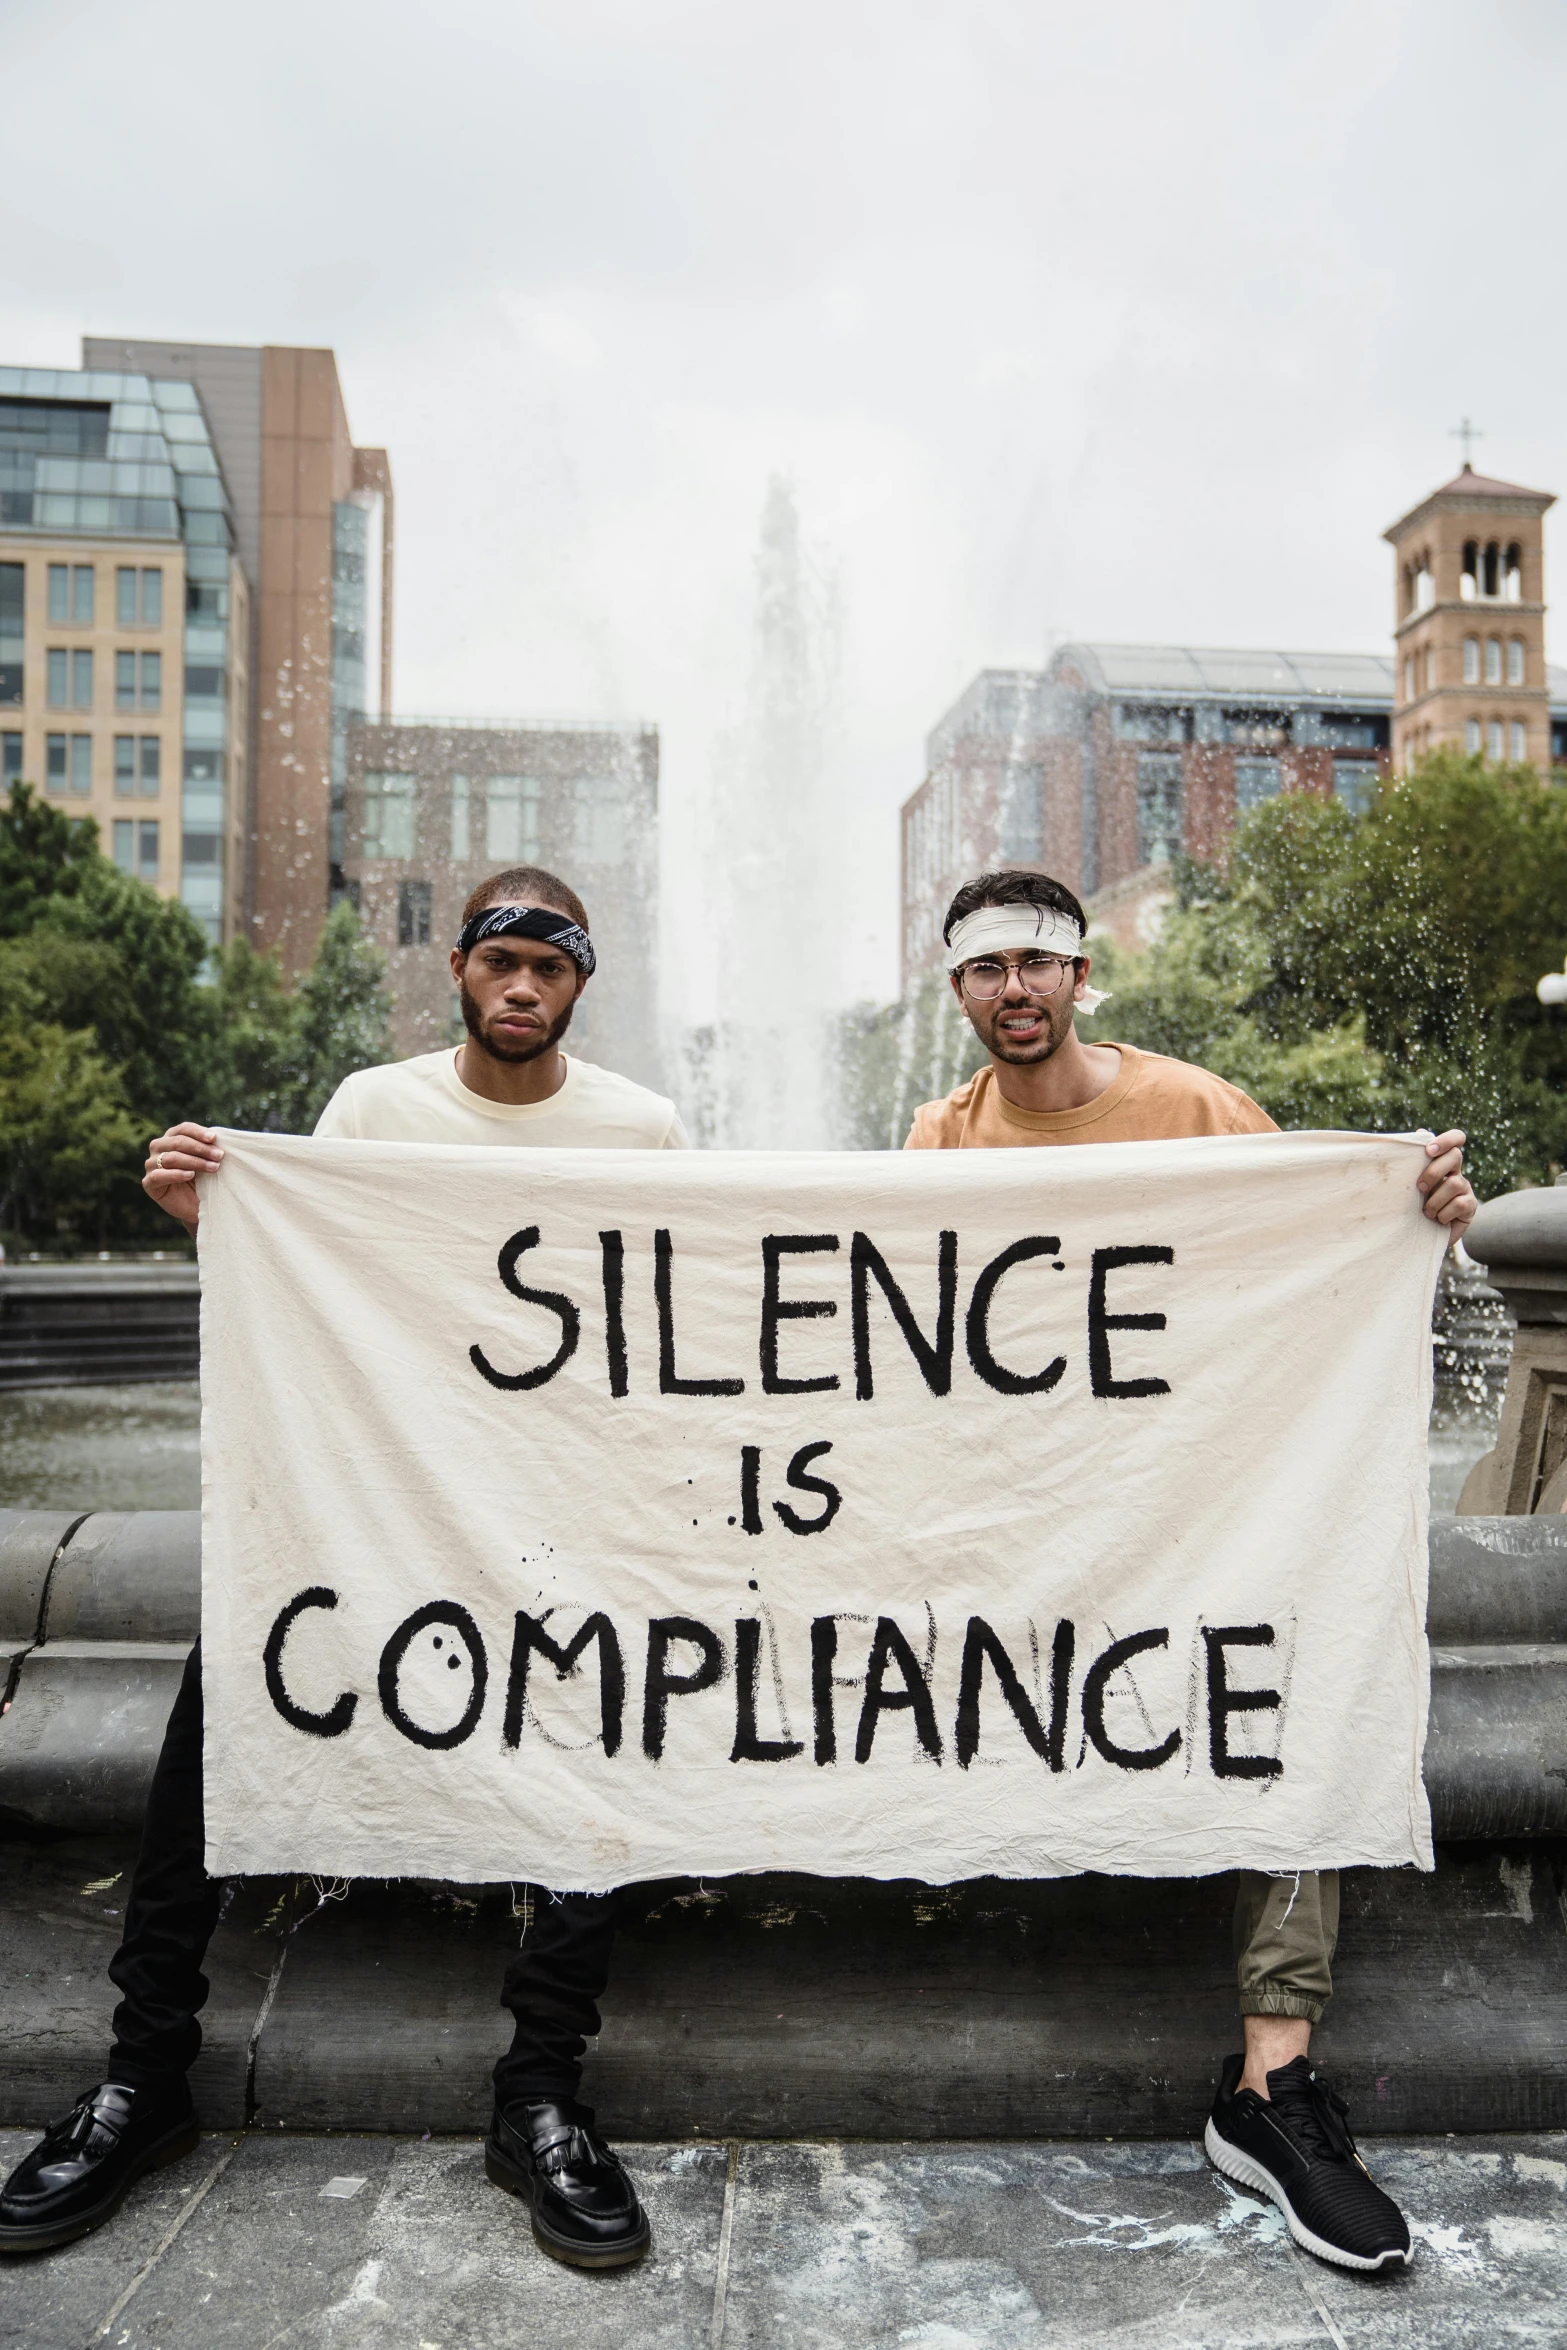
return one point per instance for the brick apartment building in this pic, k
(1115, 758)
(433, 805)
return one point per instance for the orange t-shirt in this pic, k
(1151, 1098)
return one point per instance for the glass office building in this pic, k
(122, 624)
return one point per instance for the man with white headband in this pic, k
(521, 961)
(1018, 963)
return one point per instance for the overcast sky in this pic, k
(1135, 321)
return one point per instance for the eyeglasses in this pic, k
(1039, 975)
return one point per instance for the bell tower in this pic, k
(1469, 623)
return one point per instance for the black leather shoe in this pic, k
(83, 2166)
(585, 2209)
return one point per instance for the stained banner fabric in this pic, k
(590, 1516)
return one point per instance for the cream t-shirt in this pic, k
(424, 1100)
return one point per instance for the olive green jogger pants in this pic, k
(1286, 1929)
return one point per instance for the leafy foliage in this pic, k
(1379, 971)
(115, 1022)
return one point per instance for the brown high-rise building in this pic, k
(1469, 623)
(312, 525)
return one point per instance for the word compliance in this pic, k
(593, 1516)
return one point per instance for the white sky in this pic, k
(1136, 321)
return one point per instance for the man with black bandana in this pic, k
(520, 964)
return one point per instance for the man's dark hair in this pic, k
(525, 885)
(1014, 885)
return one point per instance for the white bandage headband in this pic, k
(1017, 930)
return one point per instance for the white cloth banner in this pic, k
(589, 1516)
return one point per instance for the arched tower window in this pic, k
(1491, 570)
(1425, 585)
(1493, 660)
(1469, 584)
(1471, 660)
(1515, 573)
(1515, 672)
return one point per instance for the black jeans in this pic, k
(552, 1985)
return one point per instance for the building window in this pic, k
(136, 847)
(55, 762)
(1409, 677)
(10, 758)
(461, 828)
(413, 913)
(1515, 661)
(1430, 667)
(124, 681)
(1472, 736)
(81, 764)
(1514, 580)
(57, 670)
(511, 819)
(138, 597)
(1160, 831)
(389, 815)
(600, 829)
(1256, 780)
(151, 681)
(1471, 660)
(137, 766)
(81, 678)
(1355, 783)
(1493, 660)
(1493, 739)
(1469, 583)
(1520, 734)
(13, 581)
(1425, 586)
(71, 593)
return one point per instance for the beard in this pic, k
(473, 1021)
(1058, 1022)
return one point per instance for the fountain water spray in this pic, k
(760, 1075)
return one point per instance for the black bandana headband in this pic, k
(541, 922)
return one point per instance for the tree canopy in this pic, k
(116, 1020)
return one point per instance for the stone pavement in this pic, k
(278, 2242)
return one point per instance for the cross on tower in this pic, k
(1466, 433)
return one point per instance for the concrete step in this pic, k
(774, 2007)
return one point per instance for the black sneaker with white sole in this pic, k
(1294, 2147)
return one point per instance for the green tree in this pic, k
(109, 993)
(1407, 941)
(891, 1058)
(43, 854)
(65, 1133)
(345, 1015)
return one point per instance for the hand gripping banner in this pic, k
(590, 1516)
